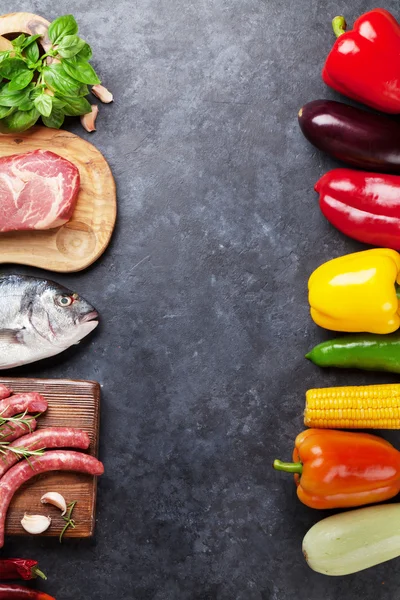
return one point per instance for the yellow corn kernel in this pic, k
(354, 407)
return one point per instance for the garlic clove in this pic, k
(88, 120)
(102, 93)
(56, 499)
(35, 523)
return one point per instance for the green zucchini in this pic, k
(354, 540)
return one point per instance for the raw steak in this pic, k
(38, 190)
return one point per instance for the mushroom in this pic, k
(35, 524)
(88, 120)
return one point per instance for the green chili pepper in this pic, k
(367, 351)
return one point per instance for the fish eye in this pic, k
(64, 301)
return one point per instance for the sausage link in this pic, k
(5, 392)
(12, 431)
(32, 402)
(51, 437)
(53, 460)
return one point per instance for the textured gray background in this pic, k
(203, 301)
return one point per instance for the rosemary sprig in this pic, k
(18, 420)
(20, 451)
(68, 519)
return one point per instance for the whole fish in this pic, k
(39, 318)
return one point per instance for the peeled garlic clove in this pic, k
(88, 120)
(56, 499)
(102, 93)
(35, 523)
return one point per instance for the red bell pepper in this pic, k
(364, 206)
(364, 62)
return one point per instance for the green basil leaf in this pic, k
(58, 80)
(5, 111)
(61, 27)
(26, 105)
(3, 55)
(84, 90)
(70, 45)
(29, 40)
(14, 97)
(85, 53)
(74, 107)
(58, 102)
(32, 52)
(11, 67)
(80, 70)
(17, 43)
(21, 81)
(44, 104)
(55, 120)
(19, 121)
(35, 92)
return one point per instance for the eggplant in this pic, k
(354, 136)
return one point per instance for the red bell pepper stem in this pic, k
(339, 25)
(288, 467)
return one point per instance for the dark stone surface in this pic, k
(203, 301)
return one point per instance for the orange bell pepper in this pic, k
(339, 469)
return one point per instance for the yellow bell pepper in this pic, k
(357, 292)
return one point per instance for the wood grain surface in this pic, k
(78, 243)
(24, 22)
(71, 404)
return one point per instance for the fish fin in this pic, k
(10, 336)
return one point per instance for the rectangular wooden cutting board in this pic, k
(71, 404)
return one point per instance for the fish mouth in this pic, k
(92, 316)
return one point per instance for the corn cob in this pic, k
(354, 407)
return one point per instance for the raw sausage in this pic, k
(12, 431)
(53, 460)
(51, 437)
(31, 402)
(4, 391)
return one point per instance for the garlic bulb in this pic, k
(35, 523)
(56, 499)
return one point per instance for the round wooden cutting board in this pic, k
(81, 241)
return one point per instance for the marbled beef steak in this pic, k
(38, 190)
